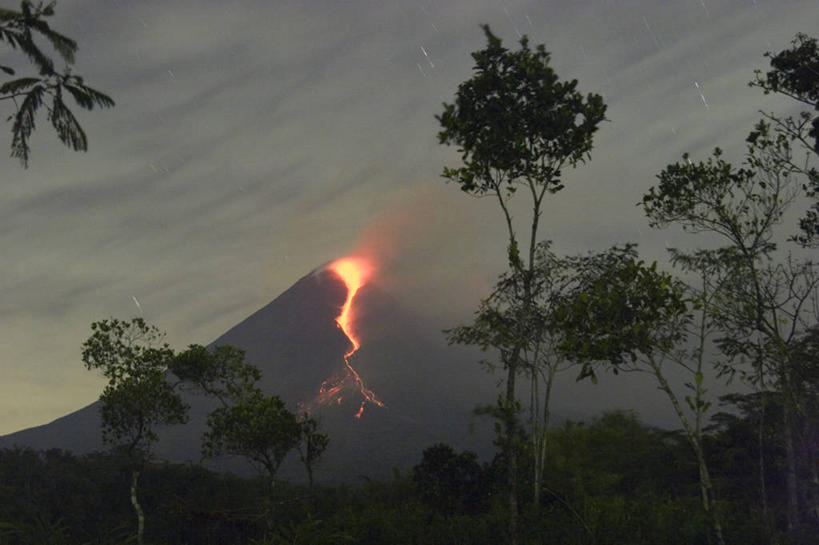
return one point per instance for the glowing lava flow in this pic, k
(354, 272)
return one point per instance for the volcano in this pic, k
(397, 388)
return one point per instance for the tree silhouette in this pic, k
(517, 126)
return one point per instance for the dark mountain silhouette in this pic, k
(428, 389)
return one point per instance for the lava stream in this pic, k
(354, 273)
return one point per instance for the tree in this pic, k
(220, 372)
(770, 300)
(258, 428)
(517, 126)
(497, 326)
(312, 444)
(247, 423)
(137, 398)
(628, 316)
(18, 29)
(449, 483)
(795, 73)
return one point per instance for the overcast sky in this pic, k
(253, 141)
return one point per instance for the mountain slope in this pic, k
(428, 390)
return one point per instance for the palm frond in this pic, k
(87, 97)
(64, 45)
(16, 85)
(67, 127)
(24, 123)
(10, 36)
(42, 61)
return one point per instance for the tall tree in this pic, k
(49, 87)
(517, 126)
(137, 398)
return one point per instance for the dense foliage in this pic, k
(611, 480)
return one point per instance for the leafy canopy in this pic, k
(220, 372)
(741, 204)
(138, 397)
(514, 119)
(255, 426)
(619, 310)
(795, 73)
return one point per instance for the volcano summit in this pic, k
(382, 383)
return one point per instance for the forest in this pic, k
(611, 480)
(741, 314)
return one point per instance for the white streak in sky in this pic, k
(702, 96)
(424, 51)
(651, 32)
(508, 16)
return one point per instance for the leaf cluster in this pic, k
(312, 443)
(742, 204)
(220, 372)
(449, 483)
(49, 88)
(621, 309)
(255, 426)
(795, 73)
(17, 28)
(517, 313)
(133, 409)
(121, 349)
(248, 423)
(514, 119)
(138, 397)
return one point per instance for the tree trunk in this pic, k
(790, 467)
(138, 508)
(707, 491)
(511, 453)
(695, 439)
(812, 491)
(763, 488)
(542, 437)
(534, 415)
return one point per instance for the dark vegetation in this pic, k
(612, 481)
(741, 312)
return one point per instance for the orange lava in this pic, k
(354, 272)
